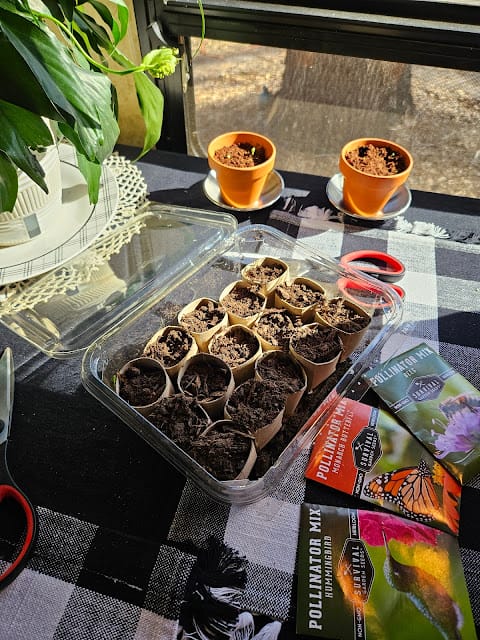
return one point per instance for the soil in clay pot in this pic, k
(171, 347)
(223, 451)
(256, 403)
(140, 386)
(276, 326)
(243, 301)
(205, 381)
(340, 314)
(376, 161)
(316, 343)
(181, 419)
(235, 346)
(242, 154)
(207, 315)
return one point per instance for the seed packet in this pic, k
(366, 452)
(439, 406)
(365, 574)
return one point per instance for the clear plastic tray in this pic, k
(212, 253)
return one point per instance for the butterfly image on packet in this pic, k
(372, 574)
(439, 406)
(367, 453)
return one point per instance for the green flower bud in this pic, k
(161, 62)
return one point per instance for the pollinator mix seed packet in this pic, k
(439, 406)
(373, 575)
(367, 453)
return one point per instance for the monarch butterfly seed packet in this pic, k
(366, 452)
(439, 406)
(374, 575)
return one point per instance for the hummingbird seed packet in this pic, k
(439, 406)
(366, 452)
(374, 575)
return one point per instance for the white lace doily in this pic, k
(26, 294)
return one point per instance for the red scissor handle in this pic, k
(347, 287)
(9, 491)
(390, 269)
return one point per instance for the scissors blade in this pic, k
(7, 384)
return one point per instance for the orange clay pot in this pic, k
(367, 194)
(241, 187)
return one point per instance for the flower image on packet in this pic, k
(367, 453)
(366, 574)
(439, 406)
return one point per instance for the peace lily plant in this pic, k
(56, 57)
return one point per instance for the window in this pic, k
(313, 77)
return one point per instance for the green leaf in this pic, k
(151, 102)
(89, 108)
(21, 131)
(92, 173)
(118, 29)
(8, 184)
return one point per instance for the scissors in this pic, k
(379, 264)
(8, 488)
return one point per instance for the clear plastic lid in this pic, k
(69, 308)
(204, 269)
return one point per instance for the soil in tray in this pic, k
(223, 452)
(242, 154)
(181, 419)
(205, 380)
(376, 161)
(293, 423)
(281, 369)
(340, 315)
(299, 294)
(243, 301)
(141, 387)
(234, 347)
(316, 343)
(276, 326)
(256, 403)
(264, 272)
(170, 347)
(204, 317)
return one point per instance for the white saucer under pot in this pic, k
(271, 192)
(398, 203)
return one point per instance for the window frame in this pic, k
(439, 33)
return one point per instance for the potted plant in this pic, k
(373, 169)
(242, 161)
(56, 59)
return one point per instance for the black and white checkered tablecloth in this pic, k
(126, 548)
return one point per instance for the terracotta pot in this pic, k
(367, 194)
(241, 187)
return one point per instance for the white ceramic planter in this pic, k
(34, 209)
